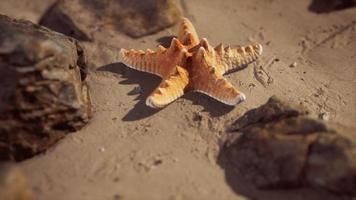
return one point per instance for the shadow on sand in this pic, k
(148, 83)
(166, 40)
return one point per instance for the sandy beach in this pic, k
(131, 151)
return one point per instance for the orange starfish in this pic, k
(192, 65)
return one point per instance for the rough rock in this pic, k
(325, 6)
(279, 146)
(14, 184)
(136, 18)
(19, 9)
(273, 110)
(43, 93)
(331, 164)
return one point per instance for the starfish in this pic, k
(190, 64)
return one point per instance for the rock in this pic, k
(324, 116)
(43, 93)
(293, 65)
(273, 110)
(19, 9)
(279, 146)
(331, 164)
(273, 155)
(136, 18)
(325, 6)
(14, 184)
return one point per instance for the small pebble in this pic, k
(117, 197)
(293, 65)
(324, 116)
(157, 162)
(102, 149)
(197, 117)
(251, 85)
(137, 90)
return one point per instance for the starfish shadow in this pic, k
(146, 82)
(214, 107)
(166, 40)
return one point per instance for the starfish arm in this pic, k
(207, 79)
(151, 61)
(220, 89)
(144, 61)
(232, 59)
(187, 33)
(170, 89)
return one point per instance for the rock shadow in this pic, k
(325, 6)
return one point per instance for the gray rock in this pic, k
(136, 18)
(331, 164)
(273, 110)
(325, 6)
(43, 93)
(280, 147)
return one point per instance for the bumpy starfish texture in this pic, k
(192, 65)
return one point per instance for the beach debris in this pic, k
(260, 72)
(262, 76)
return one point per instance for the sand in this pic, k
(129, 151)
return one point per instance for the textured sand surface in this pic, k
(131, 151)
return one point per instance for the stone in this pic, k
(136, 18)
(325, 6)
(273, 110)
(277, 146)
(331, 164)
(293, 65)
(19, 9)
(43, 92)
(324, 116)
(13, 184)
